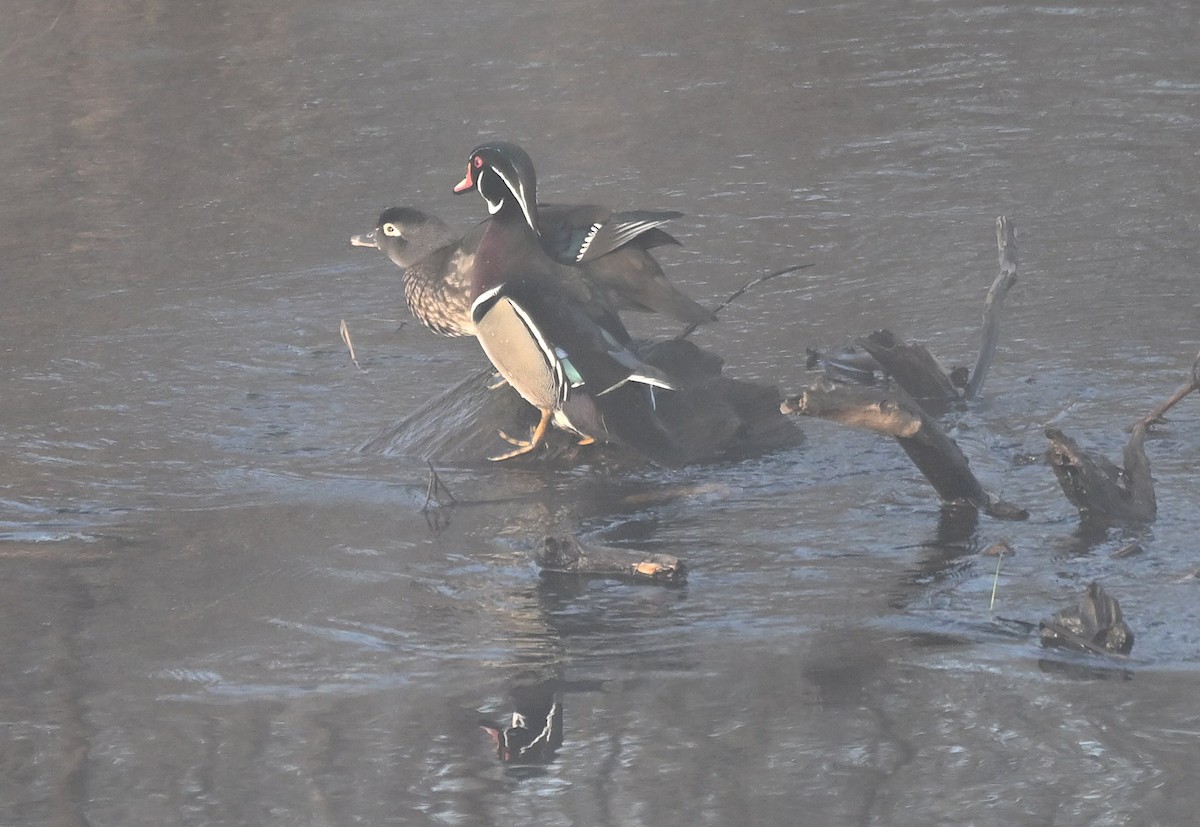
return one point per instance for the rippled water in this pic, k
(213, 610)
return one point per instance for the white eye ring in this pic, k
(391, 229)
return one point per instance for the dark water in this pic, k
(214, 611)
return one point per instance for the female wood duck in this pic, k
(574, 368)
(437, 279)
(436, 282)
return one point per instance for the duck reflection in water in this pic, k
(534, 732)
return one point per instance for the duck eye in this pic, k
(391, 230)
(478, 162)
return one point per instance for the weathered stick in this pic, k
(566, 555)
(916, 370)
(690, 329)
(1006, 240)
(1192, 385)
(344, 330)
(894, 413)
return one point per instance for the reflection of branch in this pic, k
(687, 331)
(438, 501)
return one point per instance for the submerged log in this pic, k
(1095, 625)
(1100, 489)
(894, 413)
(911, 366)
(1097, 487)
(714, 418)
(566, 555)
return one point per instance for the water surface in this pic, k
(213, 610)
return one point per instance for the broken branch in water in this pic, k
(894, 413)
(1095, 625)
(1006, 240)
(914, 368)
(690, 329)
(1097, 487)
(566, 555)
(1193, 384)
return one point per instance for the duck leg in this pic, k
(535, 438)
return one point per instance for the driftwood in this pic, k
(1097, 487)
(566, 555)
(1095, 625)
(1100, 489)
(913, 367)
(715, 418)
(894, 413)
(1006, 241)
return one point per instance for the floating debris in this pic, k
(1094, 626)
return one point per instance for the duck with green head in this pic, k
(573, 366)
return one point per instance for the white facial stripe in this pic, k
(517, 188)
(493, 206)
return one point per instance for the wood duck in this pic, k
(436, 282)
(576, 370)
(611, 247)
(534, 731)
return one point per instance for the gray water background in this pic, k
(213, 610)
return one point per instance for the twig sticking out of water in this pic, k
(1192, 385)
(438, 500)
(345, 331)
(999, 550)
(690, 329)
(1006, 241)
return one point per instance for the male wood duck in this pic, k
(611, 247)
(534, 731)
(574, 368)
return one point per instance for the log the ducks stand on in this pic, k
(573, 366)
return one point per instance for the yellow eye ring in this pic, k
(391, 229)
